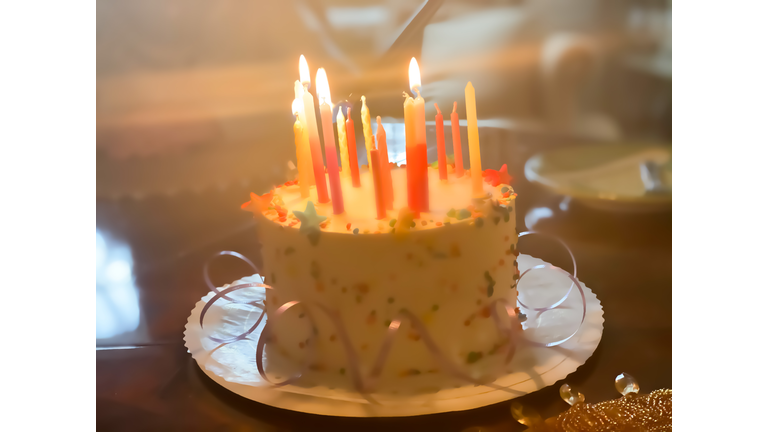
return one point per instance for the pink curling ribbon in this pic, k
(365, 384)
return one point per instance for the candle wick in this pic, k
(454, 105)
(438, 109)
(416, 89)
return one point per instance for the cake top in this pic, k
(450, 202)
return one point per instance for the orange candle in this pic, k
(440, 135)
(324, 98)
(456, 132)
(420, 135)
(354, 168)
(314, 137)
(410, 157)
(378, 187)
(386, 173)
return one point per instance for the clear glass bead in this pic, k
(570, 395)
(626, 384)
(525, 415)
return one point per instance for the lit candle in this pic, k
(420, 136)
(354, 168)
(378, 187)
(410, 156)
(305, 163)
(343, 151)
(474, 142)
(456, 132)
(365, 116)
(440, 135)
(299, 137)
(324, 99)
(314, 137)
(386, 173)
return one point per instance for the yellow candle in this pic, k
(300, 139)
(367, 132)
(342, 131)
(474, 142)
(305, 162)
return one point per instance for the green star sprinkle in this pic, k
(310, 220)
(463, 214)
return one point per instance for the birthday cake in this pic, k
(398, 272)
(447, 267)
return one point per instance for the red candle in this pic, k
(386, 174)
(378, 187)
(324, 98)
(421, 176)
(440, 144)
(455, 131)
(352, 147)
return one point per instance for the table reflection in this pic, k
(117, 300)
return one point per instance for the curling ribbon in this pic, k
(365, 384)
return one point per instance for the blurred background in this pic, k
(194, 95)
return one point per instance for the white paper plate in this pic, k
(233, 366)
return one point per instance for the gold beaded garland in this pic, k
(652, 412)
(630, 413)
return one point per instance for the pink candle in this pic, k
(354, 169)
(456, 132)
(378, 187)
(386, 173)
(440, 144)
(324, 98)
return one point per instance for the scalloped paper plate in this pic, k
(233, 366)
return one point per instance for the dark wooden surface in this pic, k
(146, 380)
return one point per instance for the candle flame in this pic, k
(304, 71)
(321, 86)
(297, 106)
(414, 74)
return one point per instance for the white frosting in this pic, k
(446, 274)
(360, 206)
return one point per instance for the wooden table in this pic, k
(146, 380)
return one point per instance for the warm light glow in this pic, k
(413, 74)
(297, 106)
(321, 86)
(303, 71)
